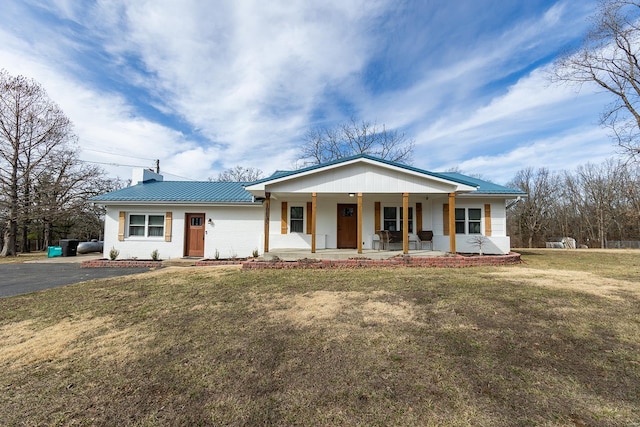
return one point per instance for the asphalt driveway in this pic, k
(17, 279)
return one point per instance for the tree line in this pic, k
(44, 186)
(594, 204)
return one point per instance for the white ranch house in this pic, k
(340, 204)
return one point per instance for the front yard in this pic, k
(554, 341)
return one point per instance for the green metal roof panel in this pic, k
(484, 187)
(180, 191)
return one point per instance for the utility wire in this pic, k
(137, 166)
(173, 174)
(115, 154)
(112, 164)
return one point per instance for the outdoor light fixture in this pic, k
(352, 194)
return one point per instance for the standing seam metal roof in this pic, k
(180, 191)
(234, 192)
(484, 187)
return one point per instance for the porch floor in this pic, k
(297, 254)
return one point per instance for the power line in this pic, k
(116, 154)
(183, 177)
(136, 166)
(113, 164)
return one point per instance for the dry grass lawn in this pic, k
(553, 342)
(22, 257)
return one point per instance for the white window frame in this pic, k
(146, 226)
(467, 221)
(302, 220)
(398, 218)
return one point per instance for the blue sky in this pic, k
(208, 85)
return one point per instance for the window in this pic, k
(136, 225)
(156, 225)
(410, 219)
(474, 221)
(296, 223)
(146, 225)
(468, 220)
(392, 218)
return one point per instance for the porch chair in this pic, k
(383, 239)
(426, 236)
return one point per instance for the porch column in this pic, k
(452, 223)
(359, 223)
(313, 222)
(267, 211)
(405, 223)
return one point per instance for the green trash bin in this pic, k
(54, 251)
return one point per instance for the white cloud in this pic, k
(248, 76)
(448, 94)
(103, 122)
(233, 70)
(556, 153)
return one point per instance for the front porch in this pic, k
(293, 254)
(360, 201)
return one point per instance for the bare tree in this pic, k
(31, 126)
(62, 190)
(608, 57)
(593, 204)
(351, 138)
(239, 174)
(595, 191)
(533, 214)
(479, 241)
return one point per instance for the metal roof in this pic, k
(234, 192)
(484, 187)
(181, 192)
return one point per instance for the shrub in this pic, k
(155, 255)
(113, 254)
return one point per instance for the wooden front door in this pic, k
(347, 226)
(194, 244)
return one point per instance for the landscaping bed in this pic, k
(213, 262)
(455, 261)
(120, 263)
